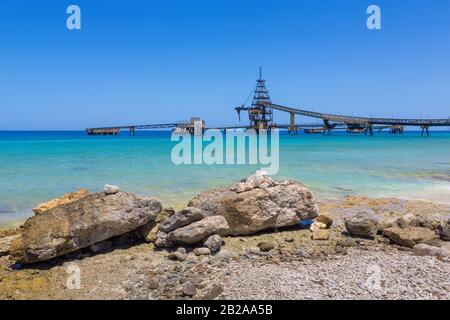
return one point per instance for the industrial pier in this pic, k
(260, 116)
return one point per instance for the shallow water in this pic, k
(37, 166)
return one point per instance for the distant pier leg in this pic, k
(292, 127)
(425, 130)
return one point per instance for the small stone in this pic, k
(213, 293)
(285, 251)
(346, 242)
(402, 223)
(320, 235)
(153, 284)
(325, 219)
(202, 251)
(289, 238)
(382, 240)
(198, 282)
(110, 189)
(161, 240)
(189, 289)
(362, 225)
(181, 250)
(178, 268)
(317, 226)
(266, 246)
(177, 256)
(303, 253)
(214, 243)
(226, 254)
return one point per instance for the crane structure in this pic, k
(260, 112)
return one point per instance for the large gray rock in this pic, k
(362, 225)
(79, 224)
(259, 203)
(197, 231)
(182, 218)
(409, 237)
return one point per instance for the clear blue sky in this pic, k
(160, 61)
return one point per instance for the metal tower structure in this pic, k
(260, 113)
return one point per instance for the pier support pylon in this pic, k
(425, 130)
(369, 130)
(292, 127)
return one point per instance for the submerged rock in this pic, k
(259, 203)
(79, 224)
(362, 225)
(65, 199)
(409, 237)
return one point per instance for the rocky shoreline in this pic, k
(261, 239)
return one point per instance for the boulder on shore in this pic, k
(409, 237)
(362, 225)
(258, 203)
(79, 224)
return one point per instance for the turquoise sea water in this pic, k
(37, 166)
